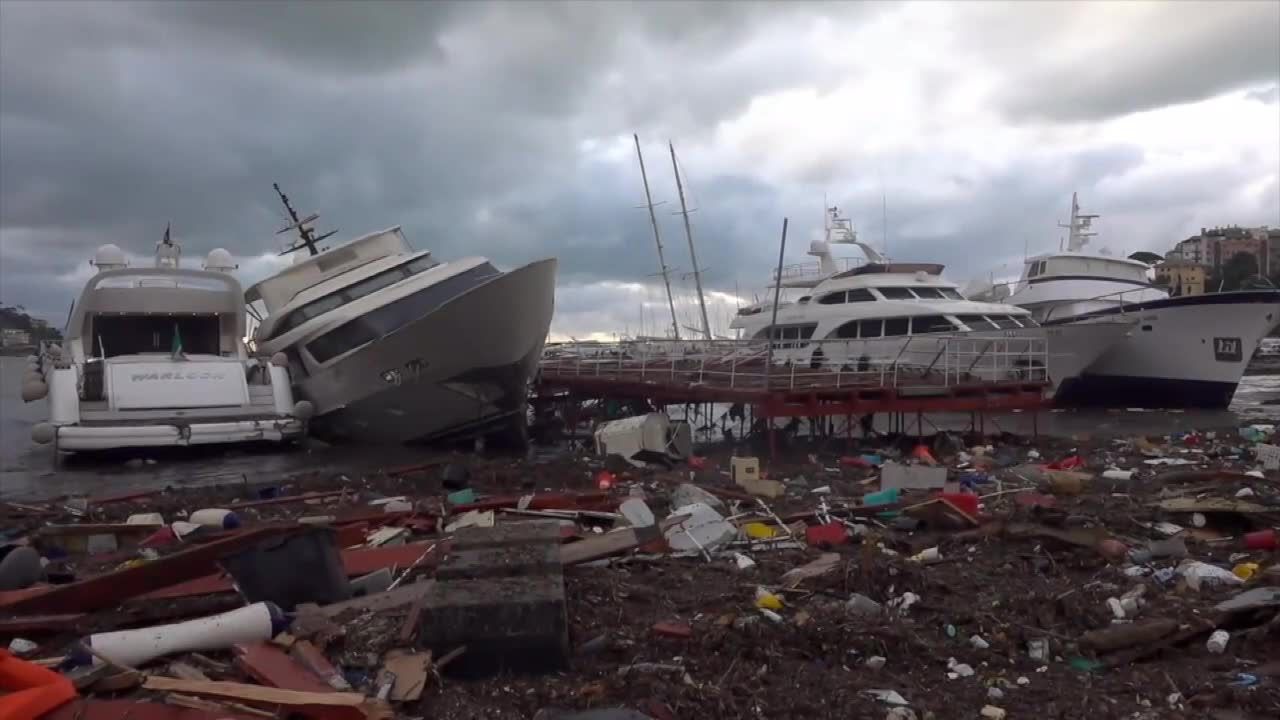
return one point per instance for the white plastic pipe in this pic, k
(259, 621)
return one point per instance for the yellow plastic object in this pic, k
(759, 531)
(766, 600)
(1245, 571)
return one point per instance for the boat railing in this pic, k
(918, 362)
(813, 270)
(1117, 298)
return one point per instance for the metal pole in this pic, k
(693, 255)
(666, 277)
(777, 291)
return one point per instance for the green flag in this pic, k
(176, 350)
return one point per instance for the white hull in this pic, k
(1184, 352)
(462, 367)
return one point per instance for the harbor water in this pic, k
(28, 471)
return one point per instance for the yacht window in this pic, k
(928, 293)
(834, 298)
(860, 295)
(892, 293)
(805, 299)
(847, 331)
(395, 315)
(950, 294)
(357, 290)
(923, 324)
(896, 326)
(976, 322)
(1004, 322)
(115, 335)
(869, 328)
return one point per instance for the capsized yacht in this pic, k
(156, 357)
(1186, 351)
(393, 345)
(873, 313)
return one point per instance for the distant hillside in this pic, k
(16, 318)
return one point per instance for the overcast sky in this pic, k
(504, 130)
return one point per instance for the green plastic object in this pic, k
(462, 497)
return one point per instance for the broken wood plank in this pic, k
(196, 703)
(356, 562)
(411, 620)
(110, 589)
(288, 499)
(33, 624)
(270, 665)
(610, 543)
(182, 670)
(310, 657)
(357, 706)
(89, 709)
(402, 595)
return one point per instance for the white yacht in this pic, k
(875, 312)
(394, 346)
(1186, 351)
(156, 357)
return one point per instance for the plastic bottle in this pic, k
(1218, 642)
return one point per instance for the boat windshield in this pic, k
(354, 291)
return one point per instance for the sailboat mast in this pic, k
(693, 255)
(657, 238)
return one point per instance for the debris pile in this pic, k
(958, 576)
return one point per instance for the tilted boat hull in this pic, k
(461, 369)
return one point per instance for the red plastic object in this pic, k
(966, 502)
(1261, 540)
(160, 538)
(697, 462)
(921, 453)
(854, 461)
(605, 479)
(34, 690)
(679, 631)
(828, 535)
(1071, 462)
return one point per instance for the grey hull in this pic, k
(461, 369)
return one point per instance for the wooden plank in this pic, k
(356, 562)
(270, 665)
(377, 602)
(110, 589)
(358, 706)
(84, 709)
(610, 543)
(288, 499)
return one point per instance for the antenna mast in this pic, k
(307, 234)
(666, 275)
(693, 255)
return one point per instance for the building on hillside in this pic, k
(13, 337)
(1214, 247)
(1181, 277)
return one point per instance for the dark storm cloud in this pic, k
(466, 122)
(1167, 53)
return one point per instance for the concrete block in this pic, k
(516, 624)
(533, 558)
(507, 534)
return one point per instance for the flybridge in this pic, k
(908, 268)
